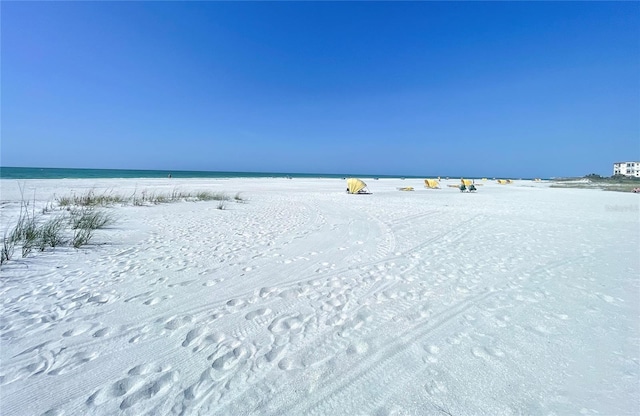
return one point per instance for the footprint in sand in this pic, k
(141, 334)
(288, 363)
(141, 295)
(203, 387)
(192, 336)
(267, 292)
(214, 282)
(54, 412)
(71, 363)
(178, 322)
(233, 358)
(487, 353)
(102, 332)
(80, 329)
(287, 324)
(257, 313)
(236, 303)
(358, 347)
(181, 284)
(202, 342)
(432, 351)
(148, 368)
(156, 300)
(141, 384)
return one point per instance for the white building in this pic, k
(627, 169)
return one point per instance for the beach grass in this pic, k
(7, 249)
(614, 187)
(89, 219)
(145, 197)
(91, 199)
(81, 216)
(616, 183)
(31, 231)
(51, 233)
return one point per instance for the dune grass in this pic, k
(37, 231)
(616, 183)
(51, 233)
(92, 199)
(71, 220)
(7, 249)
(89, 219)
(614, 187)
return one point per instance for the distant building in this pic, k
(627, 169)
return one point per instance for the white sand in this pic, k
(519, 299)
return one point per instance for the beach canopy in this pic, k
(356, 186)
(504, 181)
(466, 182)
(431, 184)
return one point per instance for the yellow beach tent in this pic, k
(406, 188)
(431, 184)
(356, 186)
(466, 182)
(504, 181)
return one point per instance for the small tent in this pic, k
(504, 181)
(356, 186)
(431, 184)
(466, 182)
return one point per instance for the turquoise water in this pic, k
(62, 173)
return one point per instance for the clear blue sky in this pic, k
(515, 89)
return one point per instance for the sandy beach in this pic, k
(301, 299)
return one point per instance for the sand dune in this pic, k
(517, 299)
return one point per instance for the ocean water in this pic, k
(63, 173)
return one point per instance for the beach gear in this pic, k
(406, 188)
(356, 186)
(431, 184)
(467, 185)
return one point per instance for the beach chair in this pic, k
(356, 186)
(467, 185)
(431, 184)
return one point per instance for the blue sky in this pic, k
(514, 89)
